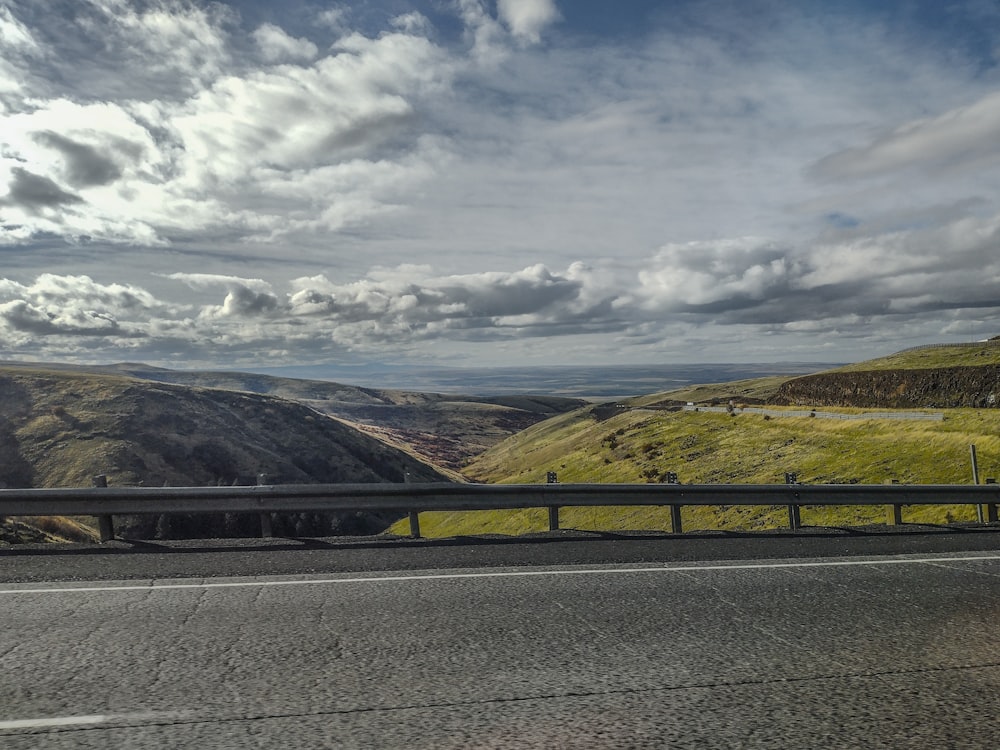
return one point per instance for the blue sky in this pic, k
(461, 182)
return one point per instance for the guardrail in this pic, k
(106, 502)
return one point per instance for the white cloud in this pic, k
(527, 18)
(275, 45)
(962, 137)
(176, 38)
(334, 137)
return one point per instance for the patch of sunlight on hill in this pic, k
(706, 448)
(932, 357)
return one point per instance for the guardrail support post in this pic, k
(105, 524)
(975, 480)
(553, 518)
(794, 517)
(991, 508)
(675, 520)
(266, 528)
(895, 514)
(414, 524)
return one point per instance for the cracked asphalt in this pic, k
(759, 651)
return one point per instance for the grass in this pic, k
(707, 448)
(986, 353)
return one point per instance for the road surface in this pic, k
(823, 651)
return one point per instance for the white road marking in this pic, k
(151, 587)
(59, 721)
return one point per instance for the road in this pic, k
(856, 649)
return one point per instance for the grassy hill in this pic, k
(59, 428)
(640, 439)
(932, 357)
(701, 447)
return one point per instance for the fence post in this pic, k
(266, 529)
(105, 524)
(895, 517)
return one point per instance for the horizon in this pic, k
(588, 382)
(476, 184)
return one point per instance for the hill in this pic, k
(639, 440)
(444, 430)
(59, 428)
(929, 377)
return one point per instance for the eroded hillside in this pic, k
(937, 376)
(443, 429)
(60, 429)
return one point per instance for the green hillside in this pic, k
(932, 357)
(640, 445)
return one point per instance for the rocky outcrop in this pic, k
(939, 388)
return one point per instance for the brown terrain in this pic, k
(940, 388)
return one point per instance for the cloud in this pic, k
(962, 137)
(85, 165)
(907, 283)
(527, 18)
(75, 306)
(244, 297)
(723, 175)
(237, 145)
(276, 45)
(34, 192)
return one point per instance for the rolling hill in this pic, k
(444, 430)
(59, 428)
(639, 440)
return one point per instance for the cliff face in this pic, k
(939, 388)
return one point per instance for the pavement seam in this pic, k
(501, 701)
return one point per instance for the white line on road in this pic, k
(59, 721)
(254, 583)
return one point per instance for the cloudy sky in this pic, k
(496, 182)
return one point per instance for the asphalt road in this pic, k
(829, 650)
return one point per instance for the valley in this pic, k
(62, 425)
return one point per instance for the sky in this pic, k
(478, 183)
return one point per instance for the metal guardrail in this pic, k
(106, 502)
(904, 415)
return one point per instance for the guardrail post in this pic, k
(414, 514)
(895, 515)
(975, 480)
(991, 508)
(266, 528)
(105, 524)
(794, 517)
(675, 520)
(553, 518)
